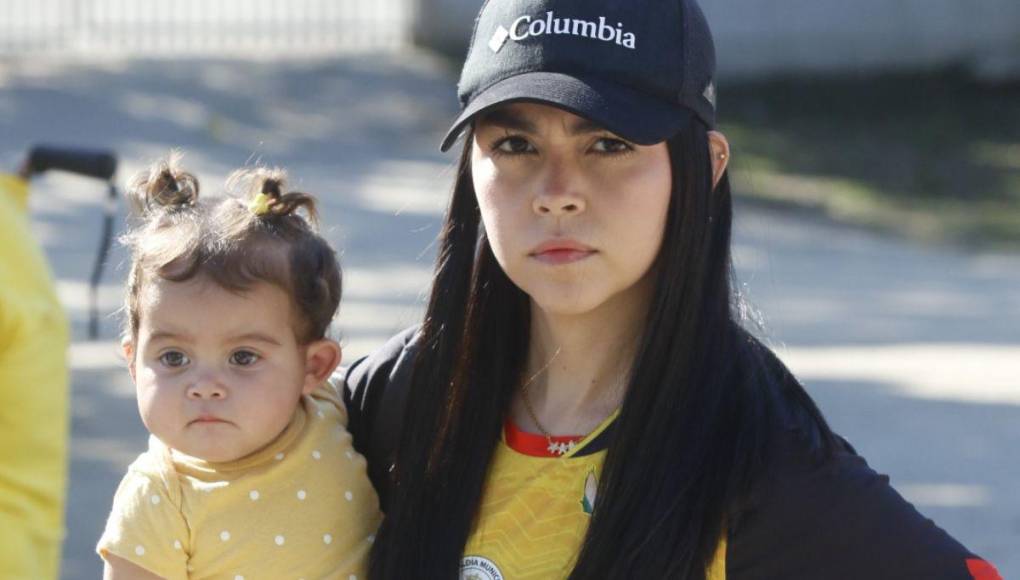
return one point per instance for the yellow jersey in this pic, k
(536, 509)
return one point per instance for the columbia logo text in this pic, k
(527, 27)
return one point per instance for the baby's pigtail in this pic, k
(265, 187)
(166, 243)
(163, 186)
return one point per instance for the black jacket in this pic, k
(833, 520)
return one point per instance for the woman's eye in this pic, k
(610, 145)
(244, 358)
(174, 358)
(513, 146)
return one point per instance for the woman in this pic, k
(580, 400)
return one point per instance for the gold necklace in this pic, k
(553, 447)
(561, 448)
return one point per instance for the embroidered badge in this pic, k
(479, 568)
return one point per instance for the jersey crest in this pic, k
(479, 568)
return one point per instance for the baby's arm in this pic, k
(146, 535)
(120, 569)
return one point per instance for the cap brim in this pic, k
(635, 116)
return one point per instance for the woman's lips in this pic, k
(556, 252)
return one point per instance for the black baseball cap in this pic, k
(640, 68)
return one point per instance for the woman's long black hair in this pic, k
(693, 432)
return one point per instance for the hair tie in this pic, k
(259, 205)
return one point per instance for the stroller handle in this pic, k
(97, 164)
(88, 163)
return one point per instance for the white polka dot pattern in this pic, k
(314, 493)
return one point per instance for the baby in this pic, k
(250, 471)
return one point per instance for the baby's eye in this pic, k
(244, 358)
(610, 145)
(174, 358)
(513, 145)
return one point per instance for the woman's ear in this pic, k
(719, 149)
(321, 359)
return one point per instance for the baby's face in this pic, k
(218, 375)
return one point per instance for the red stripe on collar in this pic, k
(534, 444)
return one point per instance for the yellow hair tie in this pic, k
(259, 205)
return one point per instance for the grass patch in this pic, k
(934, 157)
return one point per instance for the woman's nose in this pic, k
(559, 192)
(207, 386)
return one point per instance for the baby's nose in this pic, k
(207, 387)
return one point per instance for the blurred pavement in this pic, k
(912, 352)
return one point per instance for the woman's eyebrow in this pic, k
(584, 126)
(507, 120)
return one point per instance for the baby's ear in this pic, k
(128, 348)
(322, 358)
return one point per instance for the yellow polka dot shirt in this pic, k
(303, 507)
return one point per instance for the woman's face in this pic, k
(574, 213)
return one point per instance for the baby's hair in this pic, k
(253, 234)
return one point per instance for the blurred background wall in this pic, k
(759, 39)
(756, 39)
(199, 27)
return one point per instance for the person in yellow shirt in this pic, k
(34, 337)
(250, 471)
